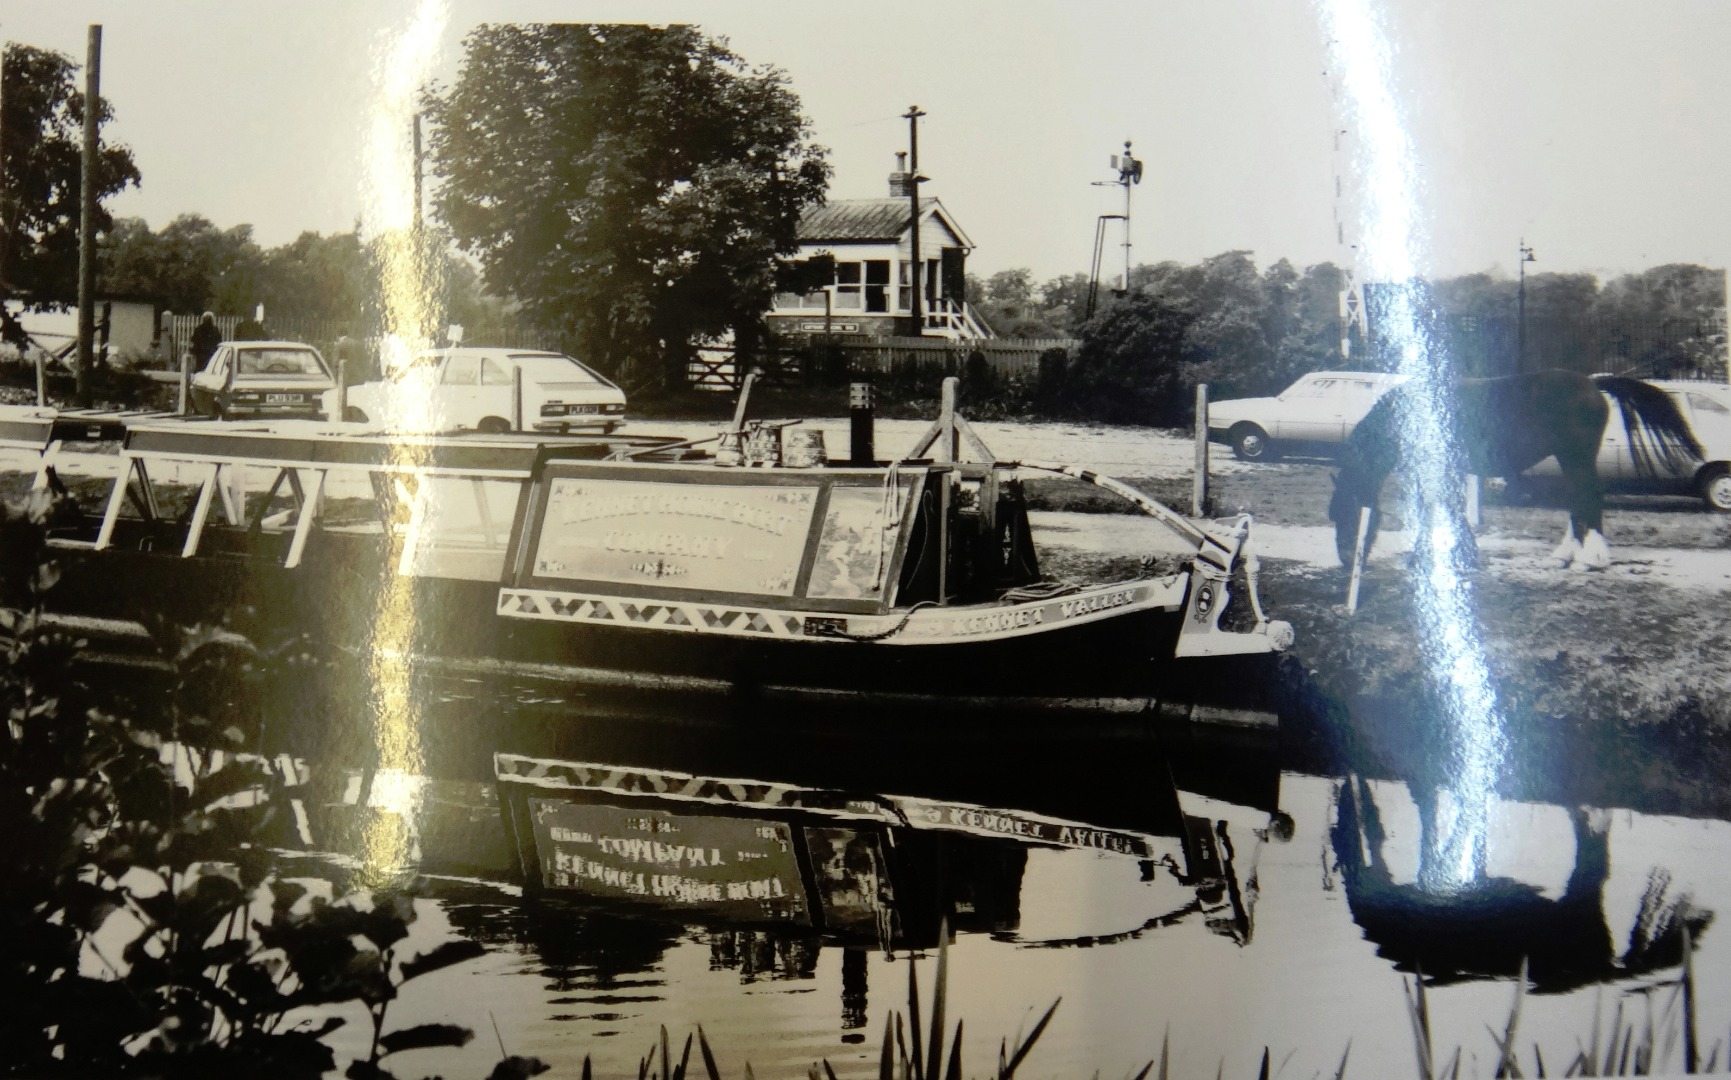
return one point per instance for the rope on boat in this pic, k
(892, 631)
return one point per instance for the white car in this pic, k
(1316, 413)
(472, 389)
(1707, 407)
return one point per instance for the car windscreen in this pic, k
(279, 363)
(555, 371)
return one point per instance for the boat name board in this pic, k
(1010, 824)
(745, 867)
(735, 538)
(925, 626)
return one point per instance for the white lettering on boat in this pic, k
(1087, 605)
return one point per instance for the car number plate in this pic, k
(585, 409)
(282, 399)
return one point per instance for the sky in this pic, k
(1599, 133)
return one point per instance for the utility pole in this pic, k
(1521, 309)
(916, 305)
(417, 175)
(87, 213)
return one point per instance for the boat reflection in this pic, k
(766, 864)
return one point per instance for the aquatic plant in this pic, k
(149, 929)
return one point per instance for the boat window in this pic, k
(464, 526)
(720, 537)
(857, 548)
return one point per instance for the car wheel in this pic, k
(493, 425)
(1251, 443)
(1716, 488)
(354, 415)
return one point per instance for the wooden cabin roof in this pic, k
(882, 221)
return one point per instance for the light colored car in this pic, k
(1707, 407)
(262, 378)
(472, 388)
(1316, 414)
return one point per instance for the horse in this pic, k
(1507, 425)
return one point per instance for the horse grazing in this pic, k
(1506, 426)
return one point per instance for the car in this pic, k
(1316, 413)
(249, 379)
(469, 388)
(1707, 407)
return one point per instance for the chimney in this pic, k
(901, 183)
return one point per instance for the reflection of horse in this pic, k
(1486, 926)
(1506, 426)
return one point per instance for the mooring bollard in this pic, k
(1357, 560)
(1199, 486)
(861, 451)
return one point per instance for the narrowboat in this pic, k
(562, 570)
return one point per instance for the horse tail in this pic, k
(1658, 433)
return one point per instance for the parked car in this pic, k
(472, 389)
(262, 378)
(1316, 414)
(1707, 407)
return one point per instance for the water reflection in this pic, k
(781, 891)
(1487, 926)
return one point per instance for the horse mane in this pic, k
(1659, 436)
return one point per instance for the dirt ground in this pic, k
(1611, 687)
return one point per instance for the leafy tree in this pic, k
(189, 265)
(41, 138)
(632, 187)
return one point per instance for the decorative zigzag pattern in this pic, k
(681, 616)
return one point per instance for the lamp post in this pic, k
(1521, 309)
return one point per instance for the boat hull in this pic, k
(437, 639)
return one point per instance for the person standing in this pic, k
(206, 336)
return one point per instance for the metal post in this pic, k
(1357, 560)
(517, 398)
(87, 212)
(860, 424)
(917, 302)
(1521, 309)
(1199, 486)
(185, 405)
(41, 378)
(1473, 501)
(342, 389)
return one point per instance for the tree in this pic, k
(41, 139)
(632, 187)
(189, 265)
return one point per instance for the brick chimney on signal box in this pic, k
(901, 182)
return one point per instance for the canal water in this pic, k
(1208, 897)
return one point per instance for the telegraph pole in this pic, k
(916, 300)
(87, 213)
(417, 175)
(1521, 309)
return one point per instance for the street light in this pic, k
(1521, 315)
